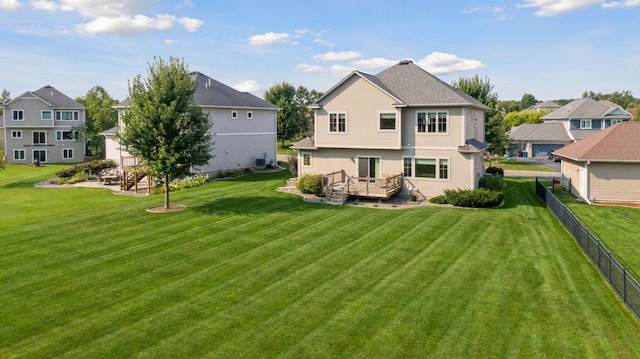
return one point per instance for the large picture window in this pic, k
(437, 168)
(39, 138)
(337, 122)
(432, 122)
(66, 135)
(67, 116)
(387, 121)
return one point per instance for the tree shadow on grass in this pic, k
(255, 205)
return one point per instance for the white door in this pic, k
(583, 183)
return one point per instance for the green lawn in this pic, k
(285, 150)
(249, 272)
(511, 164)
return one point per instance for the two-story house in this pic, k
(41, 126)
(401, 123)
(567, 124)
(243, 128)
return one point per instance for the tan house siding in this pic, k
(362, 103)
(614, 182)
(571, 175)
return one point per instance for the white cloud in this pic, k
(47, 5)
(247, 86)
(125, 24)
(191, 25)
(324, 42)
(341, 70)
(338, 56)
(443, 63)
(612, 5)
(171, 42)
(268, 39)
(374, 63)
(9, 4)
(308, 69)
(557, 7)
(615, 4)
(108, 8)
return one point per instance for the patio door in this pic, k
(368, 167)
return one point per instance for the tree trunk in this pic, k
(283, 143)
(166, 191)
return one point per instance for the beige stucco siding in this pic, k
(614, 182)
(362, 103)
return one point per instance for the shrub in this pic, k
(293, 165)
(492, 183)
(495, 170)
(188, 182)
(91, 167)
(438, 200)
(477, 198)
(310, 184)
(81, 177)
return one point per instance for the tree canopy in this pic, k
(4, 98)
(294, 117)
(163, 126)
(495, 127)
(101, 116)
(516, 118)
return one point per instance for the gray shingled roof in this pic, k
(585, 108)
(56, 98)
(413, 86)
(616, 143)
(212, 93)
(580, 134)
(540, 132)
(110, 132)
(305, 143)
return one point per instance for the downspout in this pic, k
(586, 179)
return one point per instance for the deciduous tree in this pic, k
(294, 116)
(101, 116)
(163, 126)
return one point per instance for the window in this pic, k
(615, 122)
(46, 115)
(422, 122)
(39, 138)
(66, 135)
(18, 155)
(444, 168)
(407, 167)
(16, 134)
(234, 115)
(249, 115)
(67, 153)
(338, 122)
(368, 167)
(18, 115)
(67, 115)
(40, 155)
(437, 168)
(306, 159)
(387, 121)
(585, 124)
(432, 122)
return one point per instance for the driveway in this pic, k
(540, 162)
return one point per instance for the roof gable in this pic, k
(210, 92)
(586, 108)
(616, 143)
(52, 97)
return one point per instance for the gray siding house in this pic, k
(41, 126)
(244, 127)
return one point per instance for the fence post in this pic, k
(624, 282)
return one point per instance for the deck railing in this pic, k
(375, 187)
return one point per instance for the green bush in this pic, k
(92, 167)
(81, 177)
(310, 184)
(492, 183)
(495, 170)
(438, 200)
(477, 198)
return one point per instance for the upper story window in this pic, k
(585, 124)
(18, 115)
(249, 115)
(39, 138)
(432, 122)
(66, 135)
(234, 115)
(387, 121)
(67, 116)
(337, 122)
(47, 115)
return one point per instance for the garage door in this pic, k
(542, 150)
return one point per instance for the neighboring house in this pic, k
(578, 119)
(41, 126)
(543, 106)
(604, 167)
(403, 128)
(244, 128)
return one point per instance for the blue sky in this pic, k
(550, 48)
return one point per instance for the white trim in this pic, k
(589, 121)
(16, 132)
(46, 137)
(13, 111)
(66, 150)
(302, 155)
(346, 122)
(46, 154)
(24, 154)
(249, 115)
(437, 164)
(74, 134)
(386, 130)
(74, 117)
(46, 119)
(437, 123)
(358, 157)
(234, 114)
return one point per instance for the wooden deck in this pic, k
(340, 184)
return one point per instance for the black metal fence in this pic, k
(623, 283)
